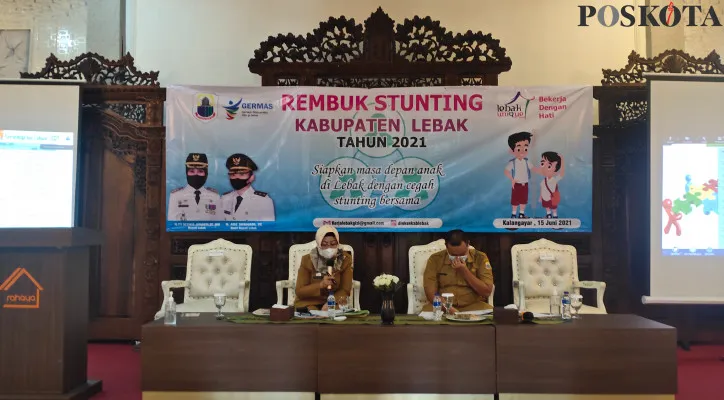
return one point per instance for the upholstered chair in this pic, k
(219, 266)
(296, 252)
(418, 256)
(542, 266)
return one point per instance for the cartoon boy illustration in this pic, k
(518, 171)
(553, 170)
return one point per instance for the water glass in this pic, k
(343, 304)
(219, 302)
(448, 300)
(576, 304)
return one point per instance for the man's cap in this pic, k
(240, 163)
(197, 160)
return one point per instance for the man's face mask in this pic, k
(196, 177)
(238, 184)
(452, 258)
(458, 248)
(239, 181)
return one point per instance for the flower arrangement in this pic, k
(387, 283)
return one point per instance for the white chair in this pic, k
(541, 266)
(296, 252)
(219, 266)
(418, 256)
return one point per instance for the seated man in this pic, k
(460, 270)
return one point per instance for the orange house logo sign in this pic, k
(20, 293)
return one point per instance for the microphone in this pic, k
(527, 316)
(330, 270)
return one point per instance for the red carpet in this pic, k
(701, 373)
(119, 367)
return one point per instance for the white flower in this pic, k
(385, 281)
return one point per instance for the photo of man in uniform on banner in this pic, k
(195, 202)
(244, 203)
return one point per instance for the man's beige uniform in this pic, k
(466, 299)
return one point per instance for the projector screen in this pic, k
(38, 148)
(686, 129)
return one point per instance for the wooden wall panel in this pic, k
(91, 199)
(119, 186)
(118, 211)
(111, 206)
(117, 267)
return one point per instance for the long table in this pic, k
(616, 354)
(406, 359)
(202, 354)
(599, 354)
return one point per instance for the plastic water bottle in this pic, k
(555, 303)
(170, 317)
(566, 306)
(437, 307)
(331, 305)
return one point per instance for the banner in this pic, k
(481, 159)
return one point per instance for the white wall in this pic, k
(699, 40)
(210, 42)
(58, 28)
(66, 28)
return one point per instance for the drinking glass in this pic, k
(343, 304)
(448, 299)
(219, 301)
(576, 304)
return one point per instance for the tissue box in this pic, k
(504, 316)
(278, 313)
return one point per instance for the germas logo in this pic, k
(232, 110)
(629, 15)
(517, 107)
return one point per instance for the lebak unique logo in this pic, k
(18, 293)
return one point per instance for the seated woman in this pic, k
(313, 280)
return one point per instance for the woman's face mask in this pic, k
(328, 252)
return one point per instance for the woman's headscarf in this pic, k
(319, 264)
(323, 231)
